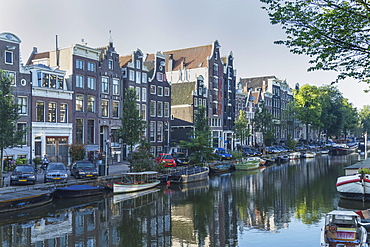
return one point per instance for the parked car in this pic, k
(84, 169)
(180, 158)
(165, 158)
(222, 154)
(272, 150)
(23, 174)
(55, 172)
(250, 152)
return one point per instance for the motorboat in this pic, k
(136, 181)
(356, 186)
(78, 190)
(188, 174)
(343, 228)
(250, 163)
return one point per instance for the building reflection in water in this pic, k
(207, 213)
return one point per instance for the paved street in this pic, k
(116, 168)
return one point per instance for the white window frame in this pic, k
(118, 108)
(166, 91)
(91, 66)
(23, 105)
(105, 85)
(144, 77)
(80, 64)
(93, 105)
(160, 91)
(11, 57)
(153, 109)
(166, 109)
(82, 103)
(155, 89)
(116, 86)
(143, 94)
(79, 81)
(91, 82)
(131, 75)
(138, 93)
(159, 109)
(138, 77)
(143, 111)
(103, 108)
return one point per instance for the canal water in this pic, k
(283, 205)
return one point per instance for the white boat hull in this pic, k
(126, 188)
(251, 163)
(356, 187)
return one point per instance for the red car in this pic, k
(168, 160)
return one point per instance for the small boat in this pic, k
(128, 196)
(343, 228)
(309, 155)
(250, 163)
(323, 151)
(17, 200)
(355, 187)
(294, 155)
(135, 181)
(269, 160)
(189, 174)
(283, 158)
(77, 191)
(218, 168)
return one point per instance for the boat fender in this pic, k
(168, 183)
(333, 228)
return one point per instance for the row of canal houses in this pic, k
(75, 94)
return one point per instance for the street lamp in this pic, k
(106, 156)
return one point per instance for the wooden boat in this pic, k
(128, 196)
(343, 228)
(135, 181)
(250, 163)
(355, 187)
(189, 174)
(294, 155)
(25, 199)
(77, 191)
(218, 168)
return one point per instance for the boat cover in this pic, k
(79, 187)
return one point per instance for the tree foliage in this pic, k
(263, 123)
(241, 129)
(132, 124)
(199, 145)
(77, 151)
(364, 116)
(334, 33)
(142, 159)
(10, 135)
(307, 106)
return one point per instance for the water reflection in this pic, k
(221, 211)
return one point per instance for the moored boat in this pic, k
(309, 154)
(355, 187)
(343, 228)
(250, 163)
(294, 155)
(135, 181)
(77, 191)
(24, 199)
(189, 174)
(221, 168)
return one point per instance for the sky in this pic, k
(241, 27)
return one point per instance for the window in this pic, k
(144, 78)
(166, 109)
(160, 109)
(166, 91)
(53, 81)
(8, 57)
(215, 69)
(22, 127)
(143, 112)
(138, 64)
(104, 108)
(138, 93)
(104, 85)
(79, 102)
(63, 111)
(132, 75)
(40, 111)
(91, 83)
(160, 91)
(159, 76)
(79, 81)
(91, 66)
(79, 130)
(116, 86)
(11, 76)
(115, 109)
(22, 105)
(195, 102)
(138, 77)
(52, 112)
(153, 89)
(60, 84)
(79, 64)
(152, 131)
(110, 64)
(214, 108)
(90, 103)
(90, 130)
(143, 94)
(159, 131)
(152, 108)
(45, 80)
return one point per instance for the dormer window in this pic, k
(160, 76)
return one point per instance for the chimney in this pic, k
(170, 63)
